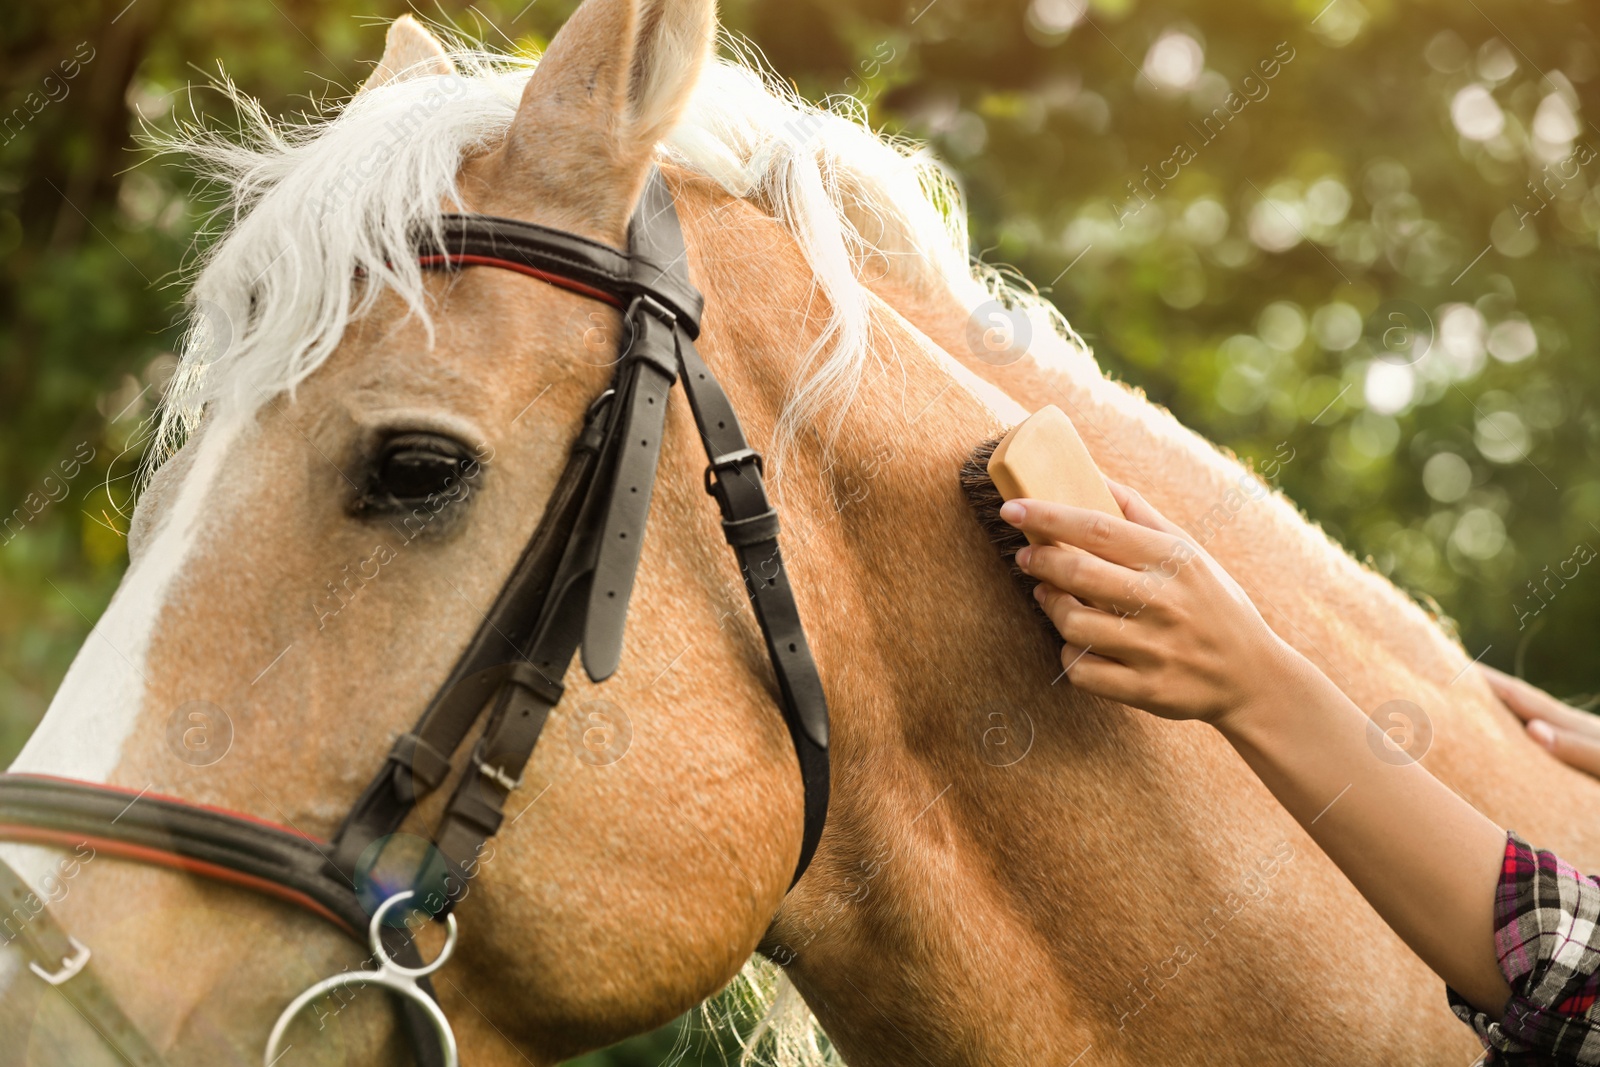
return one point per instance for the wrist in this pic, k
(1281, 681)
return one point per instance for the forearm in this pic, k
(1425, 859)
(1192, 645)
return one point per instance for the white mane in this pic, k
(310, 202)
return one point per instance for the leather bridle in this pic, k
(569, 589)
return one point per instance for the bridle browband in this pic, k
(569, 590)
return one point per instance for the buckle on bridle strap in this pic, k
(69, 967)
(732, 461)
(498, 776)
(645, 317)
(655, 307)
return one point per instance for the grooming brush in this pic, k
(1042, 458)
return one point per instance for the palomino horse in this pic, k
(1011, 873)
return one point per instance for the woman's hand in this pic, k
(1570, 735)
(1149, 618)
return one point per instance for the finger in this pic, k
(1530, 702)
(1085, 627)
(1070, 654)
(1116, 540)
(1075, 659)
(1072, 658)
(1102, 677)
(1087, 577)
(1139, 510)
(1568, 746)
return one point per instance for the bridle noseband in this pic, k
(569, 590)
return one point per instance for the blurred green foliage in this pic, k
(1357, 232)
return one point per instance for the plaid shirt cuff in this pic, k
(1548, 945)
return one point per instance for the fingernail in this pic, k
(1038, 592)
(1024, 555)
(1012, 512)
(1541, 732)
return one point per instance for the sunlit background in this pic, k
(1354, 241)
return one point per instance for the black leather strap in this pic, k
(665, 310)
(660, 258)
(203, 841)
(477, 807)
(647, 268)
(181, 835)
(734, 477)
(649, 368)
(484, 665)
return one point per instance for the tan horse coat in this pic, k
(1124, 893)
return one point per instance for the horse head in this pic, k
(365, 448)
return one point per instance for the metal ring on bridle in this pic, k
(390, 975)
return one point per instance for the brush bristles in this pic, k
(985, 501)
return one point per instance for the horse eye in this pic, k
(414, 468)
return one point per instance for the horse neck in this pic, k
(1015, 882)
(1027, 877)
(1370, 638)
(957, 762)
(926, 650)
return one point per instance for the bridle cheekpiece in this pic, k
(568, 591)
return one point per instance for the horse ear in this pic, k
(409, 51)
(612, 84)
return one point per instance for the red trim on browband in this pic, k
(174, 861)
(127, 792)
(557, 280)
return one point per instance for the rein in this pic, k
(569, 590)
